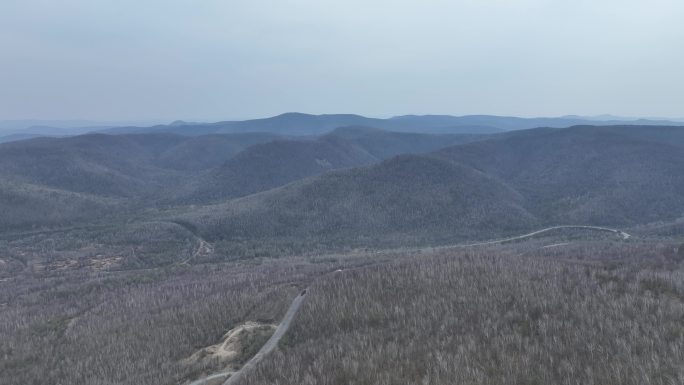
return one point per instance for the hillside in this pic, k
(276, 163)
(268, 165)
(384, 144)
(207, 151)
(671, 135)
(586, 175)
(50, 181)
(118, 165)
(479, 186)
(408, 198)
(100, 164)
(24, 206)
(84, 175)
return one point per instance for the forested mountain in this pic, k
(671, 135)
(95, 163)
(385, 144)
(25, 205)
(469, 184)
(118, 165)
(115, 173)
(279, 162)
(274, 164)
(207, 151)
(586, 175)
(50, 181)
(407, 197)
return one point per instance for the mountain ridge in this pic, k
(546, 176)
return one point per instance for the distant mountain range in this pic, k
(13, 130)
(298, 124)
(14, 125)
(304, 124)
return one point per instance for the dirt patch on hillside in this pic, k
(99, 262)
(102, 262)
(236, 346)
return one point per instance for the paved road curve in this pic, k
(532, 234)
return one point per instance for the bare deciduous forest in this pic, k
(563, 309)
(481, 317)
(132, 328)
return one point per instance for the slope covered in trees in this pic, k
(407, 197)
(587, 175)
(84, 177)
(480, 185)
(385, 144)
(277, 163)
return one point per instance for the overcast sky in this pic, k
(220, 59)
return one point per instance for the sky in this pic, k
(207, 60)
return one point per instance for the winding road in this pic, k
(621, 233)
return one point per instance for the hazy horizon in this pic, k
(212, 61)
(22, 124)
